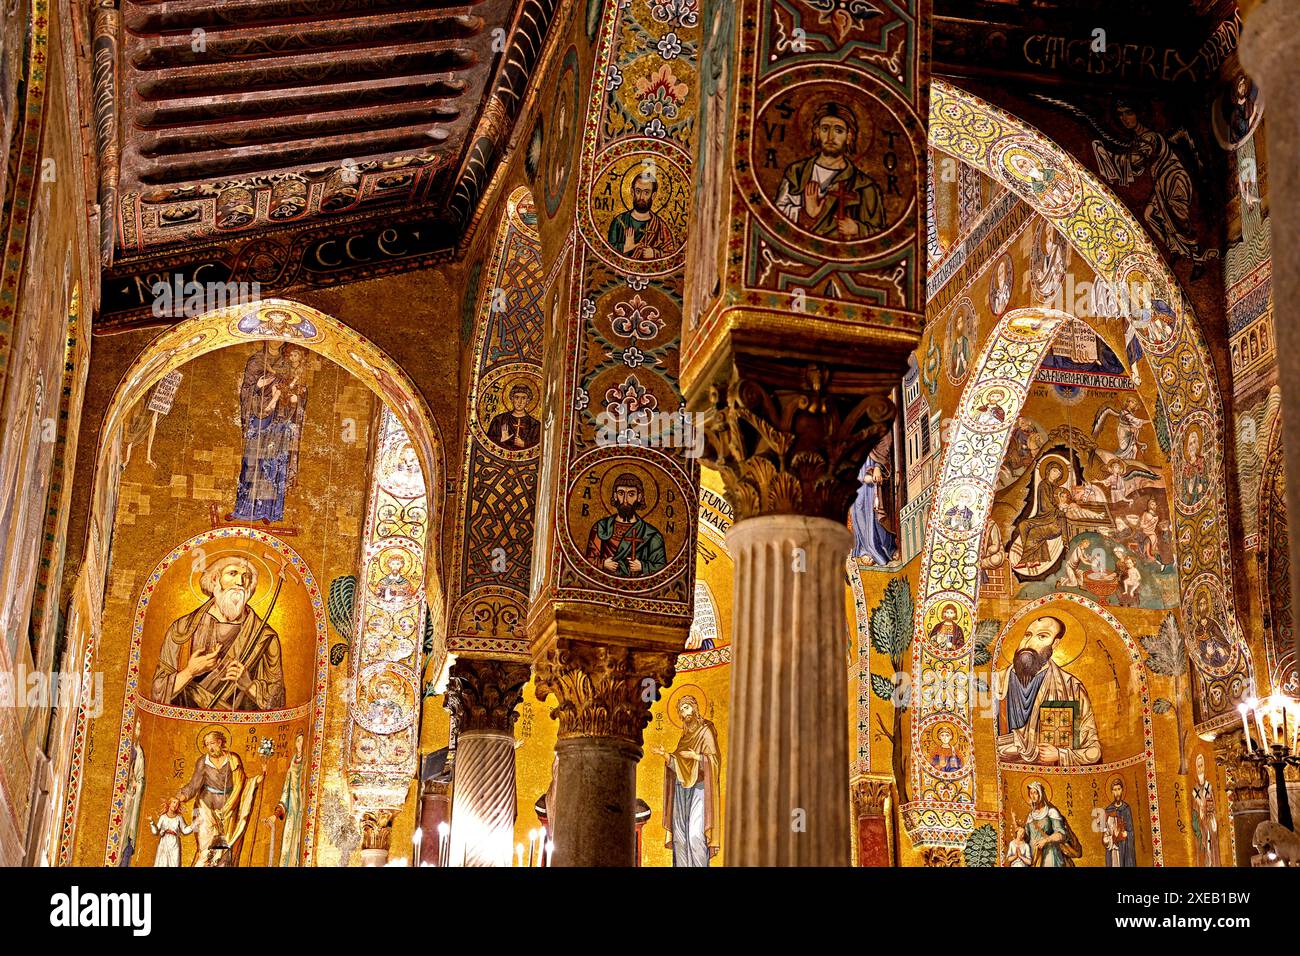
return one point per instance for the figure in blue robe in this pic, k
(272, 404)
(871, 539)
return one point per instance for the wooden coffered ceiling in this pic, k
(300, 143)
(240, 117)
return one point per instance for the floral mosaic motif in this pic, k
(635, 319)
(683, 12)
(661, 92)
(630, 402)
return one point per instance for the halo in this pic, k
(508, 382)
(1117, 779)
(932, 733)
(701, 698)
(267, 568)
(1046, 784)
(225, 731)
(636, 169)
(1068, 650)
(648, 482)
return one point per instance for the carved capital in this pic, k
(377, 829)
(945, 856)
(482, 694)
(603, 691)
(870, 796)
(1243, 779)
(789, 438)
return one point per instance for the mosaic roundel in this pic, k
(947, 627)
(1195, 466)
(826, 162)
(1207, 628)
(394, 568)
(269, 319)
(1025, 163)
(946, 747)
(385, 692)
(989, 407)
(506, 412)
(562, 124)
(638, 207)
(627, 519)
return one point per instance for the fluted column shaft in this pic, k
(1270, 52)
(788, 799)
(482, 695)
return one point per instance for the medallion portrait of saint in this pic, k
(516, 429)
(222, 655)
(640, 232)
(623, 543)
(947, 631)
(825, 192)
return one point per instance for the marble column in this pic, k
(482, 694)
(1270, 53)
(435, 809)
(604, 692)
(788, 440)
(1247, 784)
(789, 694)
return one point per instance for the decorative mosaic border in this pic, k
(943, 809)
(117, 803)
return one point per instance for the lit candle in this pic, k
(443, 832)
(519, 854)
(550, 849)
(417, 838)
(1245, 726)
(1259, 722)
(532, 846)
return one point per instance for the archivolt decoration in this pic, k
(1113, 243)
(943, 807)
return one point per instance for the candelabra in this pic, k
(1277, 721)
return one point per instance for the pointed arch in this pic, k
(1163, 331)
